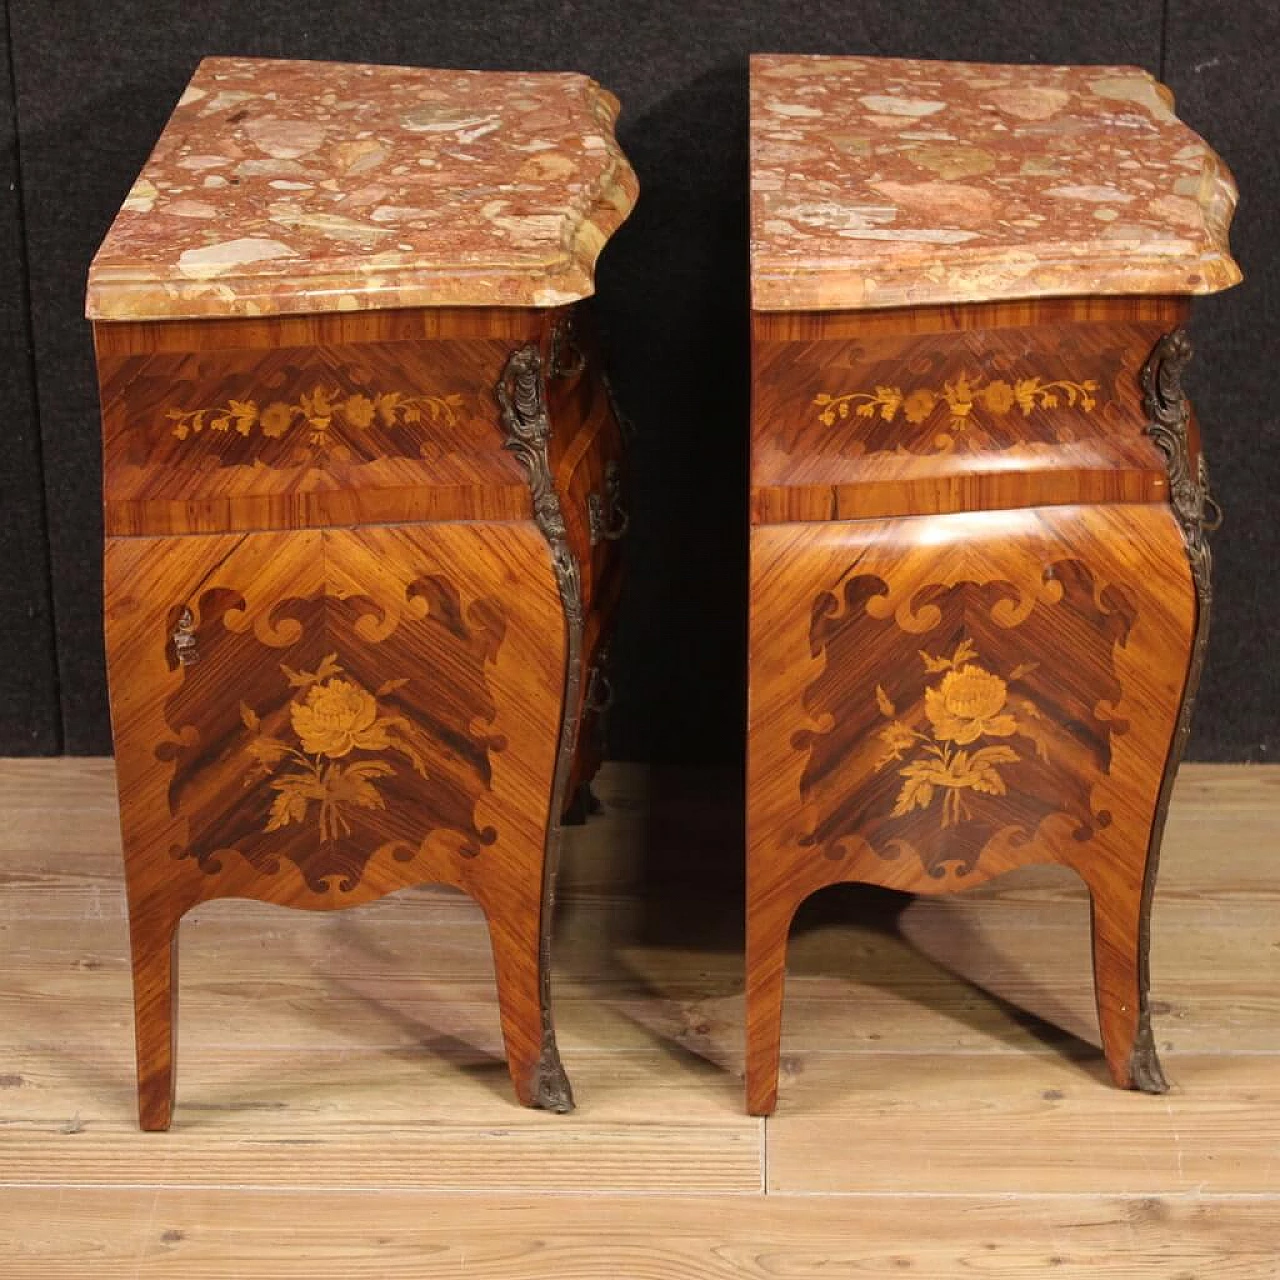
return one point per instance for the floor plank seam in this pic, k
(388, 1189)
(1028, 1051)
(1182, 1197)
(553, 1193)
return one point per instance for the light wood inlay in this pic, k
(860, 415)
(353, 437)
(981, 574)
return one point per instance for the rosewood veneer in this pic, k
(362, 487)
(980, 577)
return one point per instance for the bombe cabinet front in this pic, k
(363, 508)
(980, 574)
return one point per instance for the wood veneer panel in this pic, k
(319, 718)
(1088, 605)
(590, 452)
(938, 700)
(280, 435)
(961, 408)
(429, 609)
(810, 326)
(323, 329)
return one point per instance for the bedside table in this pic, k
(980, 579)
(362, 499)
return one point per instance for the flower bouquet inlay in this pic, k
(323, 759)
(323, 768)
(315, 412)
(956, 404)
(965, 709)
(956, 737)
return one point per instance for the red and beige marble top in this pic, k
(885, 182)
(284, 187)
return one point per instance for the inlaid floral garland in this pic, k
(998, 397)
(317, 412)
(967, 703)
(332, 720)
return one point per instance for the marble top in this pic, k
(284, 187)
(886, 182)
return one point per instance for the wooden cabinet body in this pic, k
(979, 584)
(361, 568)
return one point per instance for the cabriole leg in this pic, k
(768, 923)
(154, 945)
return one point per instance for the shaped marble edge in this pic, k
(1160, 259)
(551, 272)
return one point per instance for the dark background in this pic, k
(86, 88)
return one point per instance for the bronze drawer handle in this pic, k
(567, 360)
(599, 695)
(1211, 523)
(606, 517)
(184, 639)
(613, 491)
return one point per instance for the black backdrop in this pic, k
(88, 86)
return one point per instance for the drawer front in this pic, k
(286, 436)
(936, 700)
(866, 417)
(326, 715)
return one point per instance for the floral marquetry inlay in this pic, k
(964, 705)
(356, 726)
(315, 412)
(958, 719)
(335, 726)
(958, 399)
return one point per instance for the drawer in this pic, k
(335, 432)
(940, 698)
(859, 415)
(345, 710)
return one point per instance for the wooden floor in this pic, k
(343, 1107)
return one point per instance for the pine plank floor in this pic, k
(343, 1107)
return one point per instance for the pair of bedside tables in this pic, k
(364, 499)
